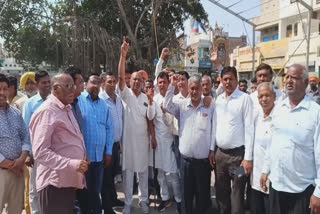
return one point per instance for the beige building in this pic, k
(197, 54)
(282, 32)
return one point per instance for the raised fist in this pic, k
(125, 47)
(165, 53)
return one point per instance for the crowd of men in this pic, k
(61, 140)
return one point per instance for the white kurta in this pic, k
(262, 141)
(164, 156)
(135, 131)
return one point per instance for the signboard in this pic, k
(205, 64)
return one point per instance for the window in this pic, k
(14, 65)
(206, 53)
(275, 37)
(289, 31)
(266, 39)
(295, 29)
(10, 65)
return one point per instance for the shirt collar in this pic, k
(236, 93)
(304, 103)
(314, 93)
(189, 103)
(106, 96)
(181, 96)
(9, 108)
(270, 116)
(38, 97)
(59, 103)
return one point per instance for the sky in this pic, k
(231, 23)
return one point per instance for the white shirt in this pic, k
(262, 141)
(235, 127)
(293, 160)
(197, 126)
(164, 156)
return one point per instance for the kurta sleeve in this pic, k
(248, 128)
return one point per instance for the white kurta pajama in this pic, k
(262, 141)
(165, 160)
(135, 143)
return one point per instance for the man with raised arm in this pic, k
(135, 134)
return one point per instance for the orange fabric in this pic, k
(314, 77)
(144, 74)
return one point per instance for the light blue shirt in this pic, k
(97, 127)
(30, 107)
(293, 159)
(116, 110)
(197, 126)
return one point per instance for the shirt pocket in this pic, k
(303, 133)
(202, 120)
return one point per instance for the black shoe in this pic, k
(163, 205)
(118, 204)
(179, 208)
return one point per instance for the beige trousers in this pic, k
(12, 192)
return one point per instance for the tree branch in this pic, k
(126, 23)
(140, 19)
(172, 34)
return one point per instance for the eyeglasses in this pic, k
(70, 87)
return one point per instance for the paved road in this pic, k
(171, 210)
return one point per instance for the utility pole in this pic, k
(310, 10)
(248, 22)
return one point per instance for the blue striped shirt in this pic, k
(97, 127)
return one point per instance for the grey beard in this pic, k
(31, 93)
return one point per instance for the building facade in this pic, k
(283, 27)
(198, 45)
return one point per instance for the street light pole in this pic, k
(310, 10)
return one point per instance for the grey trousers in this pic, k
(230, 198)
(55, 200)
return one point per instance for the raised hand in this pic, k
(165, 53)
(174, 80)
(150, 95)
(125, 47)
